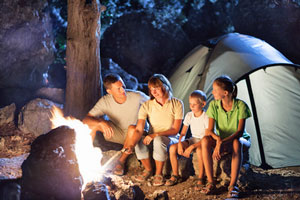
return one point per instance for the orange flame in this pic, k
(88, 157)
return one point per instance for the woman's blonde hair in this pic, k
(159, 80)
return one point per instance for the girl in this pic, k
(164, 113)
(198, 120)
(228, 115)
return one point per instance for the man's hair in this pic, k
(110, 79)
(159, 80)
(200, 95)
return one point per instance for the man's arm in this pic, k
(98, 124)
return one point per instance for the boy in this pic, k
(198, 120)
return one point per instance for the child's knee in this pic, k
(173, 149)
(205, 141)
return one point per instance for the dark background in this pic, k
(138, 38)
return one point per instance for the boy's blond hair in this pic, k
(200, 95)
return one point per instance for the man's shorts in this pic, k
(119, 135)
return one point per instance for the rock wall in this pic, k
(26, 46)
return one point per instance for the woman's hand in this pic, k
(147, 140)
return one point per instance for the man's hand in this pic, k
(147, 140)
(107, 130)
(188, 151)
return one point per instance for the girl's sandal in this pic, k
(199, 184)
(172, 181)
(209, 189)
(233, 192)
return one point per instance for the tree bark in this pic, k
(83, 57)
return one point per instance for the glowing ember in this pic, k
(88, 157)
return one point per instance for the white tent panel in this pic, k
(276, 91)
(187, 77)
(254, 156)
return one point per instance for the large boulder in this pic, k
(56, 95)
(208, 19)
(143, 49)
(34, 117)
(26, 41)
(108, 66)
(51, 169)
(7, 114)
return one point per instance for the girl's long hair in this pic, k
(226, 83)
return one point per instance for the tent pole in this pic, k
(264, 164)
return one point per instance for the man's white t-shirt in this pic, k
(122, 115)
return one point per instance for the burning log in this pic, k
(51, 170)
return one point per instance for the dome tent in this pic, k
(267, 81)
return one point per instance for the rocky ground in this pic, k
(255, 183)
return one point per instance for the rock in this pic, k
(208, 20)
(95, 191)
(283, 35)
(7, 114)
(143, 49)
(160, 195)
(185, 167)
(26, 41)
(18, 96)
(51, 169)
(221, 168)
(34, 117)
(112, 156)
(56, 75)
(56, 95)
(109, 66)
(10, 190)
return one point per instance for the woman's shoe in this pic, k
(143, 176)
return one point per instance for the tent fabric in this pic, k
(267, 81)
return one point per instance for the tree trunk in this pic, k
(83, 57)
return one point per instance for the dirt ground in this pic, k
(256, 183)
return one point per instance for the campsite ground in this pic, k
(256, 183)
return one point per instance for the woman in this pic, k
(164, 114)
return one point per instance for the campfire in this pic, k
(88, 157)
(64, 164)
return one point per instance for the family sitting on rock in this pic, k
(137, 121)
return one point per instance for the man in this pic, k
(121, 106)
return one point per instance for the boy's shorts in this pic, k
(192, 140)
